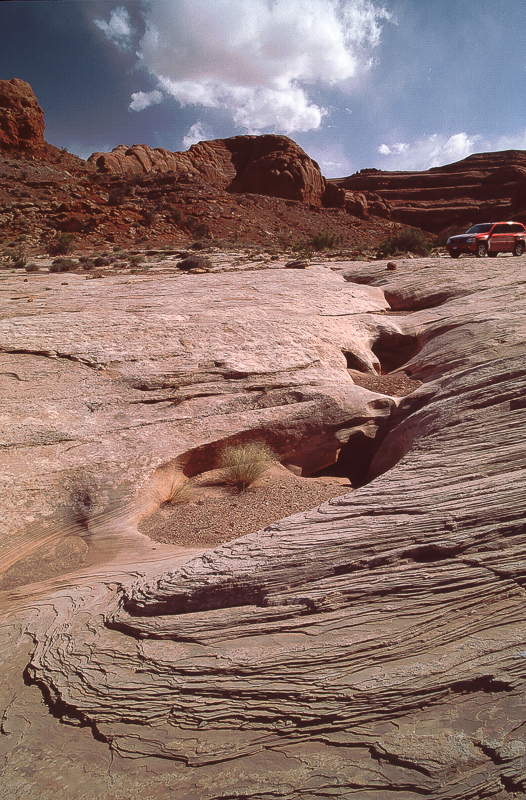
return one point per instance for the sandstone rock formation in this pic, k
(269, 165)
(480, 188)
(174, 365)
(373, 647)
(21, 118)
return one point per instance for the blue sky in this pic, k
(399, 84)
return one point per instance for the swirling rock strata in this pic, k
(373, 646)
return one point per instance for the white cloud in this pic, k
(118, 29)
(398, 147)
(195, 134)
(509, 142)
(433, 151)
(437, 150)
(332, 159)
(258, 60)
(142, 100)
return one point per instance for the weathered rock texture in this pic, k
(269, 165)
(374, 647)
(21, 118)
(142, 371)
(480, 188)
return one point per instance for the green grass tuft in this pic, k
(242, 465)
(407, 240)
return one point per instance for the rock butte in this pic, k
(373, 647)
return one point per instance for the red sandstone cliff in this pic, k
(270, 165)
(482, 187)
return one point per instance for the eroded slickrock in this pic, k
(103, 383)
(370, 648)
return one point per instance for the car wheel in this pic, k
(492, 255)
(455, 255)
(518, 250)
(481, 250)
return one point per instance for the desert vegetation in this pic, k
(408, 240)
(178, 491)
(323, 241)
(243, 465)
(61, 244)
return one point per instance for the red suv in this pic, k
(491, 238)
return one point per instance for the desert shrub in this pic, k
(176, 216)
(61, 244)
(242, 465)
(62, 264)
(117, 196)
(19, 259)
(323, 241)
(87, 262)
(32, 268)
(136, 259)
(195, 226)
(407, 240)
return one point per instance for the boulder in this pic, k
(21, 118)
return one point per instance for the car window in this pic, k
(502, 228)
(484, 227)
(517, 228)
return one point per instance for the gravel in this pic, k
(218, 513)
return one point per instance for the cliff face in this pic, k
(270, 165)
(482, 187)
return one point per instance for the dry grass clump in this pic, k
(242, 465)
(179, 490)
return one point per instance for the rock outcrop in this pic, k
(21, 118)
(269, 165)
(198, 359)
(373, 647)
(480, 188)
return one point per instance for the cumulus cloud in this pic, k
(509, 142)
(332, 159)
(437, 150)
(142, 100)
(433, 151)
(118, 29)
(195, 134)
(258, 60)
(398, 147)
